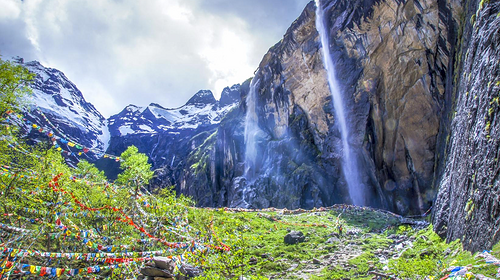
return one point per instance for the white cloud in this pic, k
(121, 52)
(227, 54)
(10, 9)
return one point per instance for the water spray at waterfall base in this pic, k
(349, 161)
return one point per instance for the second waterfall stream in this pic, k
(349, 161)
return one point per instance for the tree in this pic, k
(87, 171)
(14, 82)
(136, 169)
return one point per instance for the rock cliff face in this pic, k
(468, 204)
(392, 60)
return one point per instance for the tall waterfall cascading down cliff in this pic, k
(349, 162)
(251, 131)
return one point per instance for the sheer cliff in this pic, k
(392, 62)
(467, 206)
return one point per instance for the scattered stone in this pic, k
(332, 240)
(265, 216)
(482, 277)
(163, 278)
(244, 228)
(424, 252)
(156, 272)
(293, 266)
(164, 263)
(294, 237)
(381, 275)
(252, 261)
(189, 270)
(316, 261)
(334, 234)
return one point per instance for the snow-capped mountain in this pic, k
(59, 106)
(166, 135)
(201, 111)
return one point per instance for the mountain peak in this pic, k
(133, 108)
(156, 105)
(203, 97)
(230, 95)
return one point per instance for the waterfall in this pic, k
(349, 162)
(251, 131)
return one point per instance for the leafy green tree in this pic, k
(136, 169)
(14, 82)
(87, 171)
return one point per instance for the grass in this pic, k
(258, 250)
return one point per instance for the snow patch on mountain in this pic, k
(105, 136)
(125, 130)
(202, 110)
(65, 107)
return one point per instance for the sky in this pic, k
(121, 52)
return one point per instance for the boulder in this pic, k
(294, 237)
(164, 263)
(156, 272)
(190, 271)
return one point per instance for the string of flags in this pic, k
(128, 220)
(32, 175)
(9, 174)
(36, 270)
(89, 257)
(97, 257)
(5, 227)
(61, 140)
(20, 149)
(74, 143)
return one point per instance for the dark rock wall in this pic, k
(392, 62)
(467, 206)
(210, 167)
